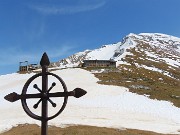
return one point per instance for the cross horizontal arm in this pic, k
(78, 92)
(61, 94)
(27, 96)
(12, 97)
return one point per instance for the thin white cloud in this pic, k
(56, 9)
(58, 52)
(16, 55)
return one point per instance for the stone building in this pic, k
(99, 63)
(25, 67)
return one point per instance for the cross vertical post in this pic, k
(44, 64)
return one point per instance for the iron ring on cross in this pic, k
(46, 95)
(12, 97)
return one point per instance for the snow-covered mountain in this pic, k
(154, 47)
(159, 47)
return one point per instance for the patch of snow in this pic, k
(104, 53)
(98, 71)
(122, 63)
(151, 55)
(161, 79)
(171, 62)
(166, 73)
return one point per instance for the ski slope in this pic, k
(103, 106)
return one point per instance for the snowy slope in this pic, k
(104, 106)
(161, 47)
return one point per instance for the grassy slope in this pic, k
(142, 81)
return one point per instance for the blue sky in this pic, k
(63, 27)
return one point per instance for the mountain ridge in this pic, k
(157, 47)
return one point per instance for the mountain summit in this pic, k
(142, 50)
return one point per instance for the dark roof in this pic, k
(100, 60)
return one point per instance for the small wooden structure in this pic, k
(25, 67)
(99, 63)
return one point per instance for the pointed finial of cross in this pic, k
(44, 60)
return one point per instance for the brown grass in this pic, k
(156, 89)
(75, 130)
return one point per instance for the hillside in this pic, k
(147, 64)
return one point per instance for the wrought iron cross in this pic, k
(44, 95)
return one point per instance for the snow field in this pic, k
(104, 106)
